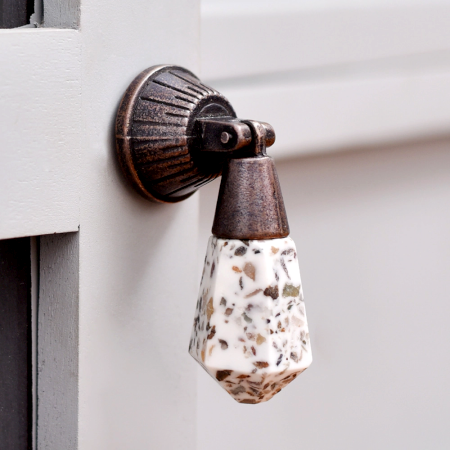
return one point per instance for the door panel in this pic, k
(332, 75)
(138, 285)
(57, 342)
(289, 35)
(40, 127)
(128, 286)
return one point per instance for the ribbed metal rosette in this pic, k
(156, 135)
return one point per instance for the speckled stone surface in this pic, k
(250, 331)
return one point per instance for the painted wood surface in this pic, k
(40, 125)
(371, 230)
(248, 38)
(137, 280)
(330, 76)
(323, 112)
(61, 13)
(57, 342)
(137, 382)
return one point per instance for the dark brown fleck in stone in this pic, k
(240, 251)
(212, 268)
(271, 291)
(212, 332)
(241, 283)
(261, 364)
(253, 350)
(223, 344)
(279, 360)
(243, 376)
(245, 241)
(228, 311)
(223, 302)
(250, 401)
(222, 374)
(294, 356)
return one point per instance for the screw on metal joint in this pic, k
(226, 134)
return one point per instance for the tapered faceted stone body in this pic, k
(250, 331)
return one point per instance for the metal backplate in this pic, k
(156, 135)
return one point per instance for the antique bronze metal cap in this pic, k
(250, 203)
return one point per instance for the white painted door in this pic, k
(117, 279)
(358, 94)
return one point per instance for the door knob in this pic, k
(175, 134)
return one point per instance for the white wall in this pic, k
(372, 232)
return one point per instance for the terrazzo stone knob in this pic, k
(250, 331)
(174, 134)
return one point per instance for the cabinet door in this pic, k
(116, 272)
(361, 88)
